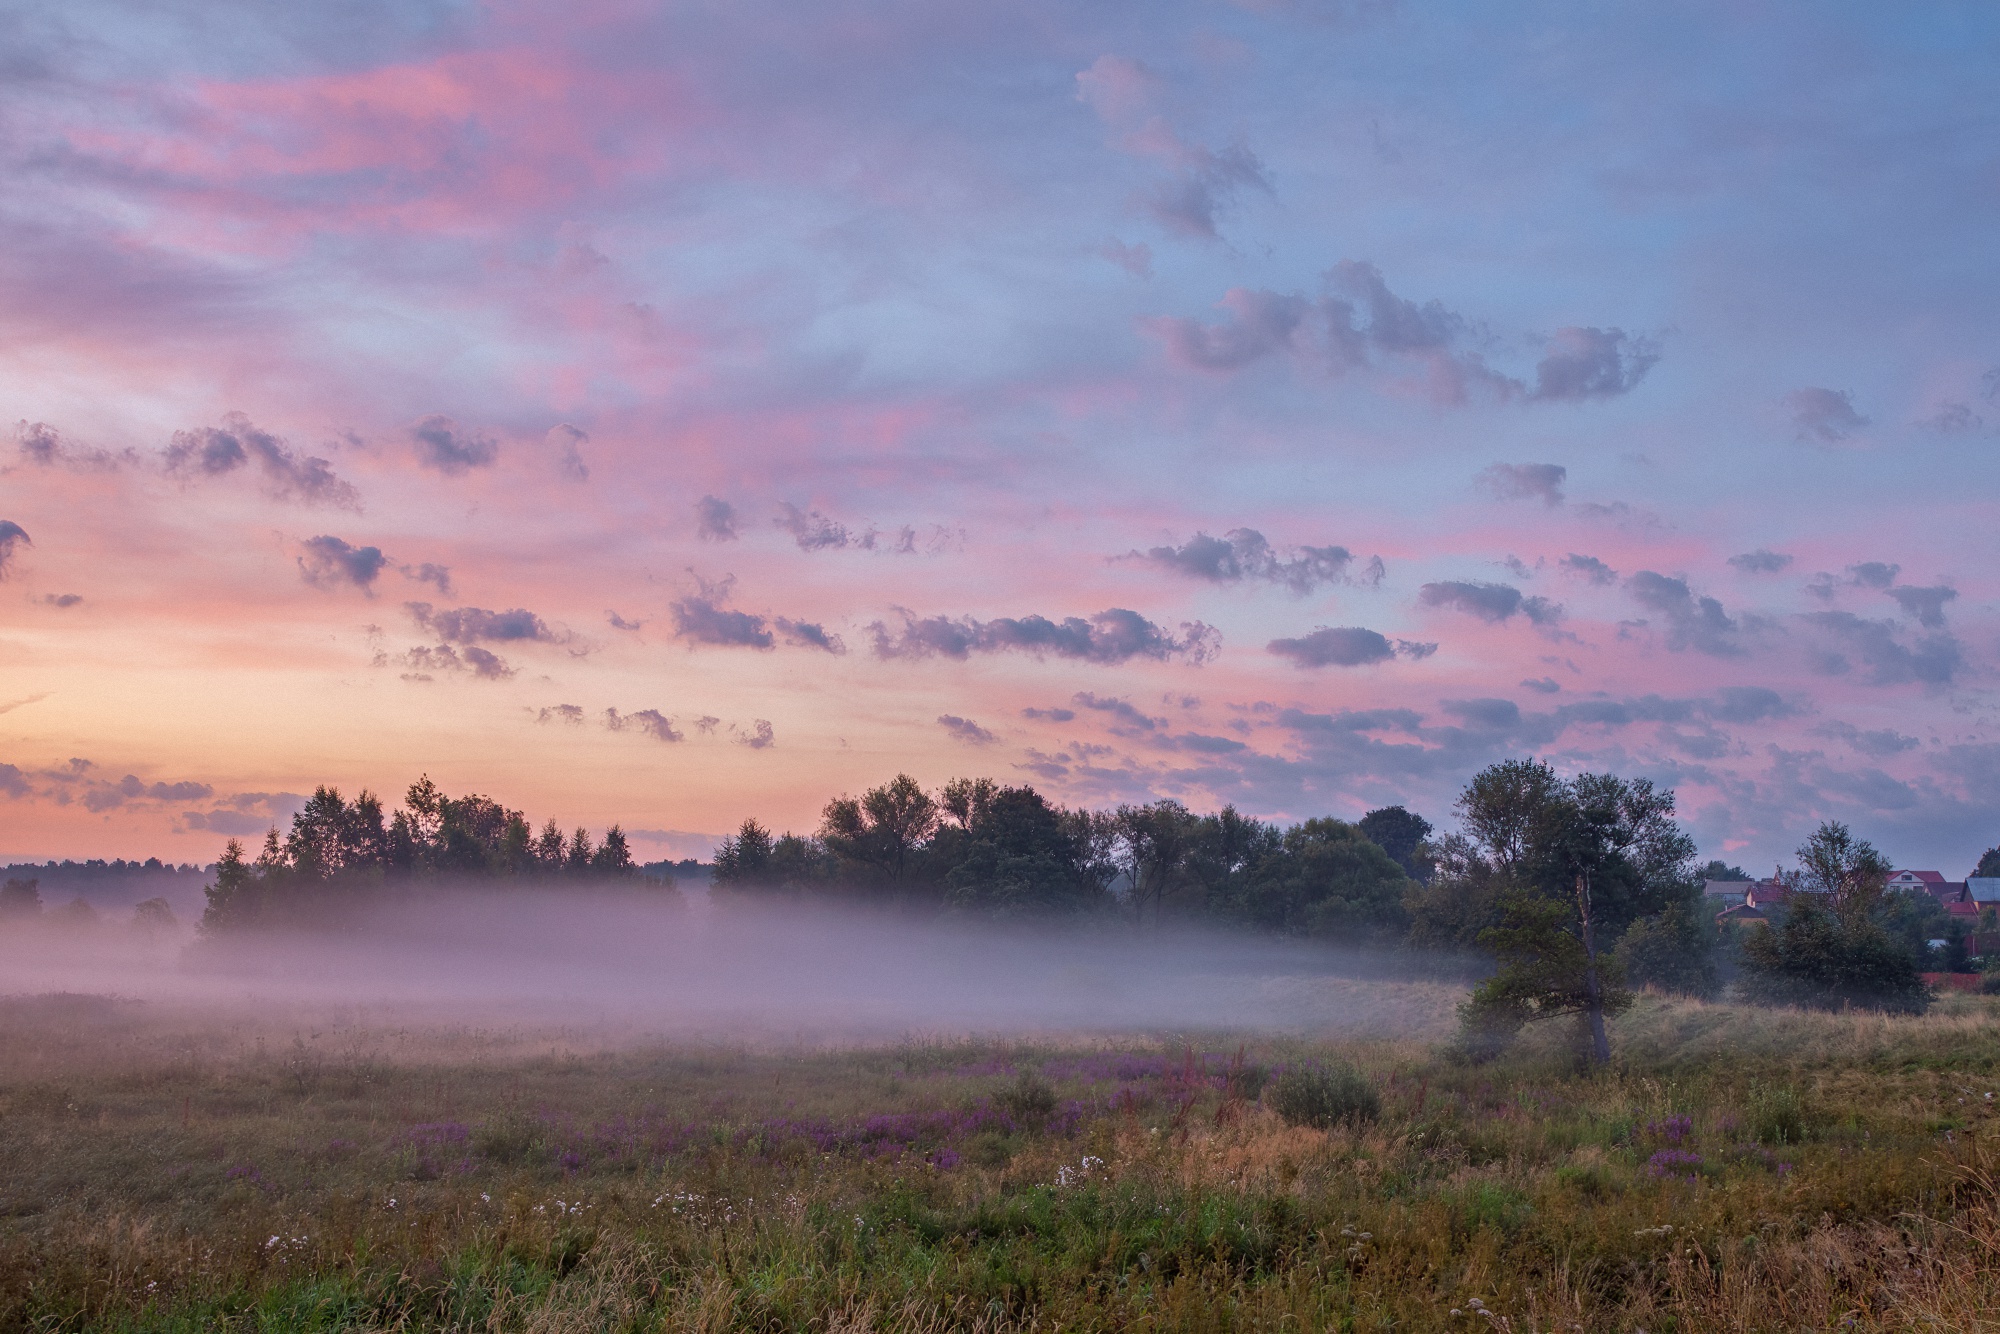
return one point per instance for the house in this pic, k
(1742, 914)
(1983, 890)
(1946, 892)
(1730, 893)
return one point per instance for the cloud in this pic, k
(1244, 554)
(964, 729)
(715, 520)
(1115, 635)
(1524, 481)
(1953, 419)
(1049, 715)
(1207, 184)
(437, 576)
(1582, 363)
(210, 451)
(234, 823)
(445, 447)
(1136, 260)
(1873, 574)
(12, 782)
(468, 625)
(1882, 743)
(329, 562)
(1490, 714)
(1127, 715)
(1204, 182)
(561, 713)
(1546, 685)
(1492, 603)
(12, 537)
(1257, 323)
(42, 445)
(1760, 561)
(1345, 646)
(1932, 660)
(758, 737)
(1692, 622)
(1825, 415)
(1591, 568)
(1747, 704)
(701, 619)
(618, 622)
(1926, 604)
(569, 459)
(423, 662)
(807, 634)
(651, 722)
(812, 531)
(1358, 322)
(8, 706)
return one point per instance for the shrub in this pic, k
(1324, 1096)
(1030, 1099)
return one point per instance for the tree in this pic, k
(1546, 875)
(229, 896)
(876, 838)
(1325, 878)
(614, 856)
(20, 898)
(1401, 834)
(744, 861)
(1152, 843)
(1989, 863)
(1829, 946)
(1721, 870)
(1021, 856)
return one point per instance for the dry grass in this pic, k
(162, 1170)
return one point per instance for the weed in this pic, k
(1324, 1096)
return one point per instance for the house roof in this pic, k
(1928, 877)
(1742, 912)
(1962, 909)
(1983, 888)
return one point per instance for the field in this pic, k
(179, 1168)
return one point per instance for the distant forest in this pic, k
(1561, 892)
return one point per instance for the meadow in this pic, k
(174, 1166)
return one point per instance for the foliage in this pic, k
(1830, 946)
(1401, 834)
(1323, 1096)
(338, 853)
(20, 898)
(1989, 863)
(1673, 951)
(1535, 849)
(1717, 869)
(1325, 878)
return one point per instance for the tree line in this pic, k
(1564, 894)
(337, 850)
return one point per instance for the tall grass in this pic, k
(1735, 1170)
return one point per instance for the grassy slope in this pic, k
(1737, 1170)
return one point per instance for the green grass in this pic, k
(1734, 1170)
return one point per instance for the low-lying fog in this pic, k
(639, 962)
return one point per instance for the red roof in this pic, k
(1963, 909)
(1928, 877)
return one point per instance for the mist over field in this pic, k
(629, 963)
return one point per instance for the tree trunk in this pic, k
(1600, 1045)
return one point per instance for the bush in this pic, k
(1030, 1099)
(1324, 1096)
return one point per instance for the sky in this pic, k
(672, 413)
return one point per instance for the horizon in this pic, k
(664, 419)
